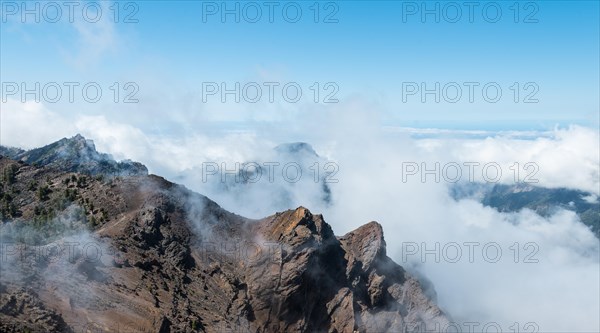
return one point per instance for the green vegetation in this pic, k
(104, 217)
(32, 185)
(71, 195)
(43, 192)
(9, 174)
(55, 207)
(81, 182)
(8, 209)
(43, 216)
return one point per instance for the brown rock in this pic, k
(174, 261)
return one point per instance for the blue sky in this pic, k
(373, 48)
(372, 55)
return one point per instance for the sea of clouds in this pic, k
(546, 276)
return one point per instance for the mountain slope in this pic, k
(141, 253)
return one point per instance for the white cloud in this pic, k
(96, 36)
(31, 125)
(558, 293)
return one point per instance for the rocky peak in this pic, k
(78, 147)
(365, 244)
(76, 154)
(296, 148)
(78, 139)
(298, 227)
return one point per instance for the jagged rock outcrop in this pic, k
(140, 253)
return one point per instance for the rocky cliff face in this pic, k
(141, 254)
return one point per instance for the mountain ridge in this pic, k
(543, 201)
(175, 261)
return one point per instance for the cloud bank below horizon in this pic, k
(371, 186)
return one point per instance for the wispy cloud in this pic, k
(94, 39)
(370, 187)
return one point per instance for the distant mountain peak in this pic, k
(80, 146)
(75, 154)
(81, 140)
(296, 148)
